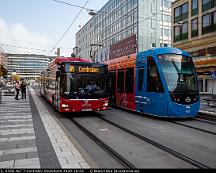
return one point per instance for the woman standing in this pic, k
(17, 88)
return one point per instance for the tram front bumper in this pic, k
(183, 111)
(83, 105)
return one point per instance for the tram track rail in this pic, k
(174, 122)
(123, 161)
(207, 117)
(205, 121)
(192, 127)
(160, 146)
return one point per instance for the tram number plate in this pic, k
(86, 109)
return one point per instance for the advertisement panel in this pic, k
(124, 47)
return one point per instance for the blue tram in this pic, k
(160, 82)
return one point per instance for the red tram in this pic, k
(75, 85)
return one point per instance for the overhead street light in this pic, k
(90, 11)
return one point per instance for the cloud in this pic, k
(15, 38)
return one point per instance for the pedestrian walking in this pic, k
(23, 89)
(17, 88)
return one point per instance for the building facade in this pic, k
(194, 30)
(124, 27)
(26, 66)
(3, 63)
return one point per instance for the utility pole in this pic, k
(58, 52)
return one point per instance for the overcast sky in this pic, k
(35, 26)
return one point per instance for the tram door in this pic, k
(156, 99)
(140, 87)
(57, 92)
(150, 95)
(112, 87)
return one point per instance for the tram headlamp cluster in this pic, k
(64, 105)
(105, 104)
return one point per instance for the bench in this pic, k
(209, 100)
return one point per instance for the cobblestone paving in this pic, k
(17, 136)
(67, 154)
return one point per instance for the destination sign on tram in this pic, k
(73, 68)
(81, 69)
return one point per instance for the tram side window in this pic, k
(153, 77)
(129, 80)
(112, 81)
(140, 78)
(121, 81)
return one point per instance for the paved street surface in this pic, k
(204, 108)
(32, 138)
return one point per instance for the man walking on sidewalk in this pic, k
(17, 88)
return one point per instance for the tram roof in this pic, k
(58, 60)
(166, 50)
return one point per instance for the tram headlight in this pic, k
(64, 105)
(105, 104)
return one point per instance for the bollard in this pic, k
(0, 97)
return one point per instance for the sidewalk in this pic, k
(31, 138)
(205, 109)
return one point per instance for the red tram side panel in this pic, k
(122, 81)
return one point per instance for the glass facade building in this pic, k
(26, 66)
(148, 20)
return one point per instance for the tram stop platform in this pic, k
(30, 137)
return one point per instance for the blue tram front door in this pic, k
(150, 95)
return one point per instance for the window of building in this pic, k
(184, 11)
(166, 3)
(194, 27)
(214, 21)
(177, 33)
(208, 4)
(167, 33)
(154, 83)
(129, 80)
(181, 13)
(194, 7)
(181, 32)
(209, 23)
(166, 18)
(121, 81)
(206, 24)
(177, 14)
